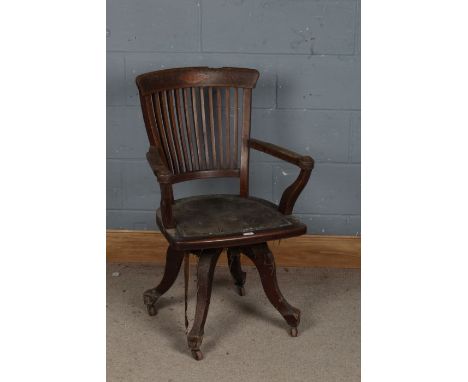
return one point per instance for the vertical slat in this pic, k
(228, 129)
(195, 165)
(148, 117)
(244, 171)
(162, 134)
(220, 127)
(167, 129)
(236, 132)
(205, 135)
(175, 133)
(196, 127)
(180, 122)
(213, 140)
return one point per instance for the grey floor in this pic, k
(245, 337)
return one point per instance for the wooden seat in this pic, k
(198, 126)
(226, 218)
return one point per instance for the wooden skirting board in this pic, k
(304, 251)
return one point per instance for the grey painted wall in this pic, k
(307, 98)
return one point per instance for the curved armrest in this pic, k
(158, 166)
(305, 163)
(164, 176)
(302, 161)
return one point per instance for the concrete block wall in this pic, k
(307, 98)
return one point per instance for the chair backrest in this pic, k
(199, 119)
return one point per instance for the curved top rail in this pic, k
(196, 76)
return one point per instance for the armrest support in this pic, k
(164, 176)
(305, 163)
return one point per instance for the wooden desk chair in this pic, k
(198, 125)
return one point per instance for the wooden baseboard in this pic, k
(304, 251)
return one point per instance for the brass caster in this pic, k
(241, 290)
(293, 332)
(151, 309)
(197, 354)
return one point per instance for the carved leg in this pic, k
(239, 276)
(264, 261)
(173, 262)
(206, 266)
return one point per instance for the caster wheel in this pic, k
(151, 310)
(197, 354)
(293, 332)
(241, 290)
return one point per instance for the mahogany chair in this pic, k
(198, 125)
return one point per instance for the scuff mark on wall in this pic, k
(304, 38)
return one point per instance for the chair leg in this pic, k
(263, 259)
(206, 266)
(235, 268)
(173, 262)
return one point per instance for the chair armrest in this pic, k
(302, 161)
(305, 163)
(164, 176)
(158, 166)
